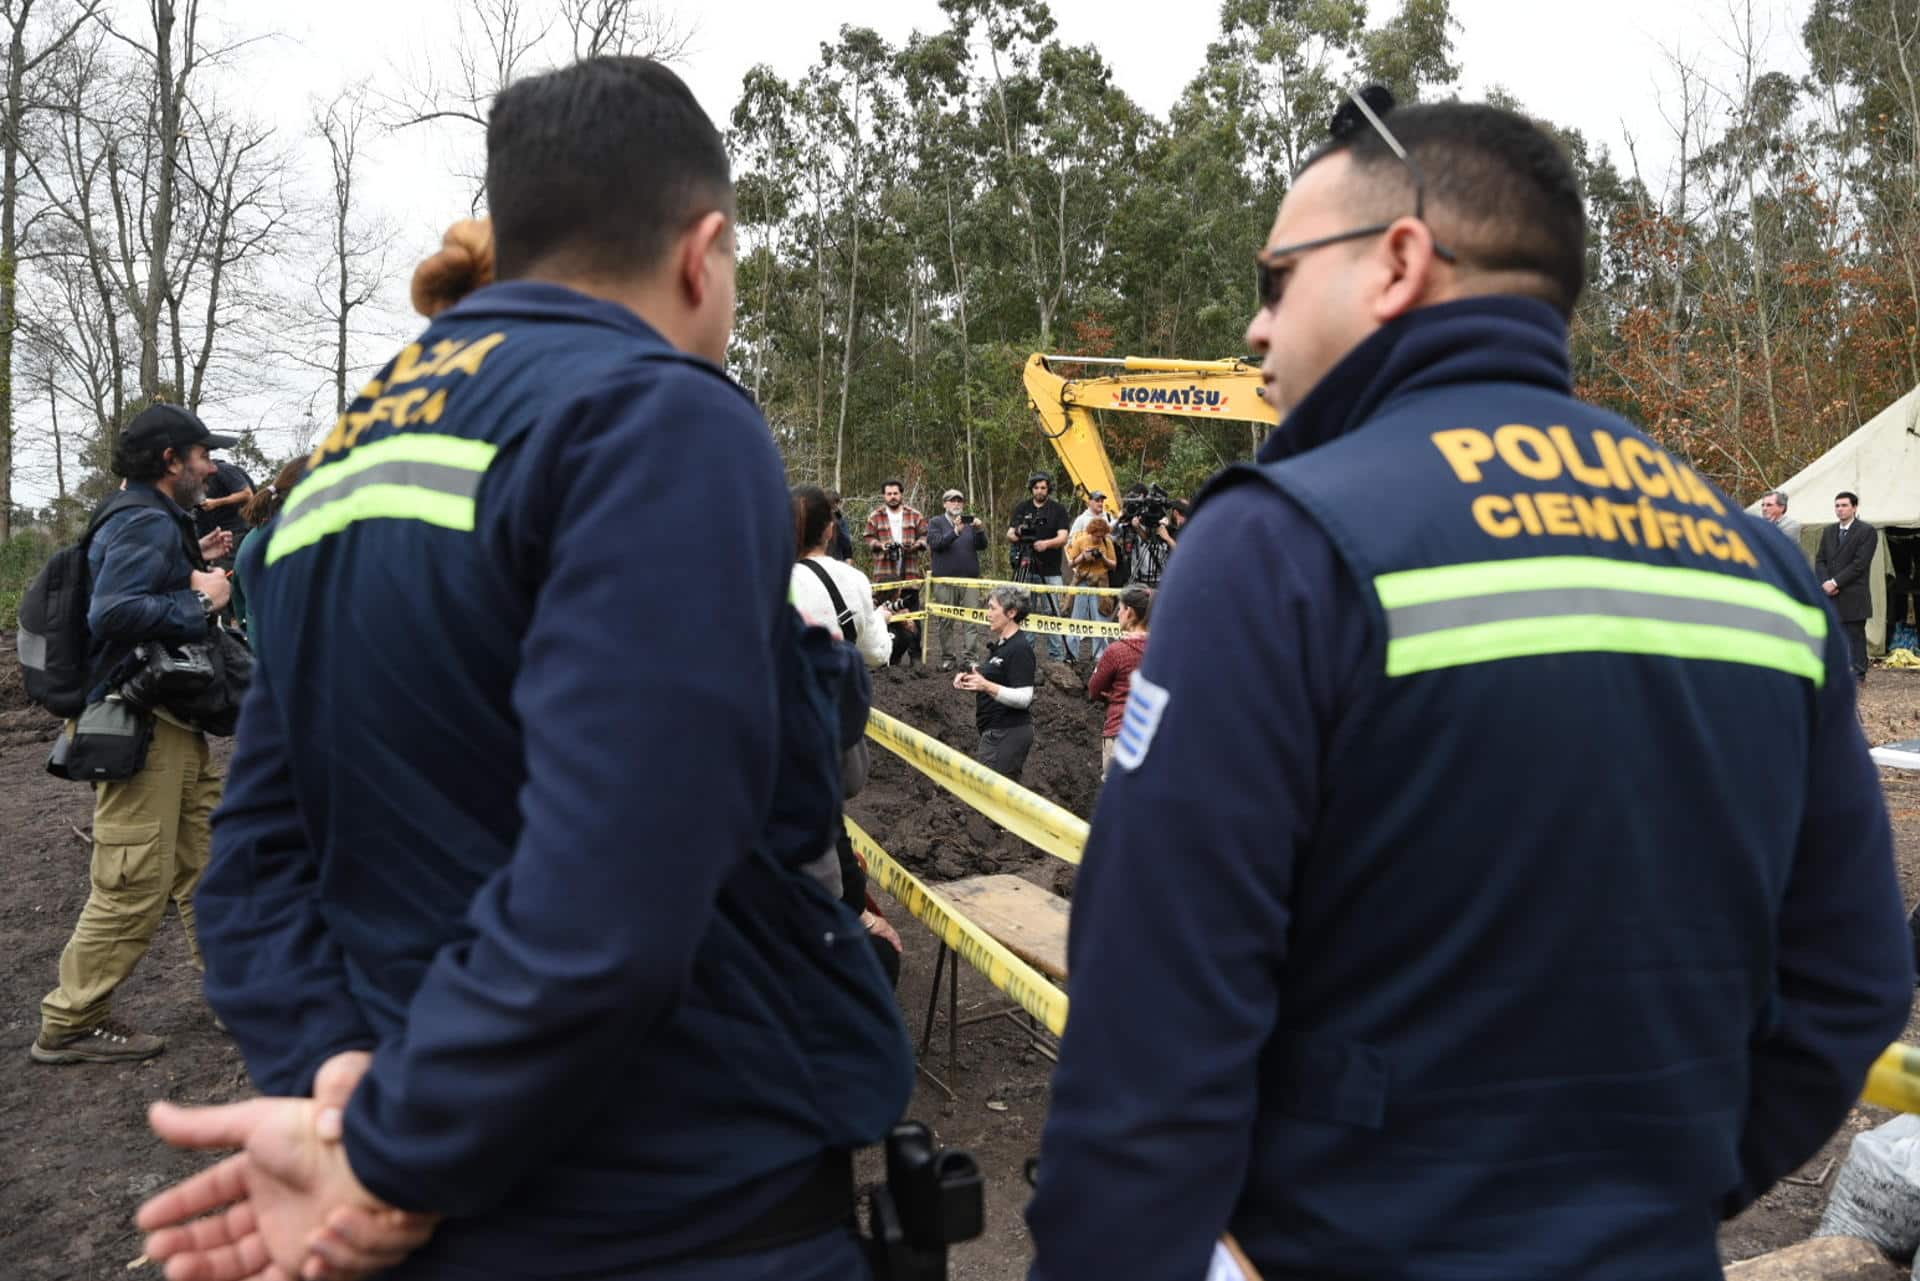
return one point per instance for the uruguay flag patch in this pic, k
(1145, 702)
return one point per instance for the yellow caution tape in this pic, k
(1031, 817)
(912, 616)
(1029, 988)
(1045, 624)
(898, 584)
(1035, 588)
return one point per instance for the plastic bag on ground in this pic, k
(1877, 1193)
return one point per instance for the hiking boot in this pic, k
(110, 1042)
(946, 664)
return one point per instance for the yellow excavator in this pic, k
(1145, 385)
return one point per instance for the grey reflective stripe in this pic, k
(1442, 615)
(33, 651)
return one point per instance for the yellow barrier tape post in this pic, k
(1029, 988)
(926, 602)
(1031, 817)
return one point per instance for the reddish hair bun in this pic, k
(464, 264)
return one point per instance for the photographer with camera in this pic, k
(896, 535)
(1146, 542)
(150, 829)
(1039, 531)
(957, 538)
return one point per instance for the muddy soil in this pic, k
(76, 1157)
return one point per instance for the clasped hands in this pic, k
(287, 1206)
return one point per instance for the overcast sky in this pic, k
(1601, 68)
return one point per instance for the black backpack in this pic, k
(54, 639)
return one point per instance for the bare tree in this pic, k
(29, 46)
(356, 265)
(625, 27)
(497, 41)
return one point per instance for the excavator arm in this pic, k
(1180, 388)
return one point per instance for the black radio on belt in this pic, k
(933, 1198)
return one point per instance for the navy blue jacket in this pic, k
(499, 802)
(956, 549)
(142, 561)
(1433, 939)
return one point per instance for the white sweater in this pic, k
(811, 599)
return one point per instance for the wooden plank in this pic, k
(1031, 922)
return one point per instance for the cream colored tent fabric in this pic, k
(1881, 463)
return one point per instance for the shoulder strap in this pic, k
(127, 500)
(840, 611)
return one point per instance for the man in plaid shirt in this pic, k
(896, 535)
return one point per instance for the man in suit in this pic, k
(1846, 552)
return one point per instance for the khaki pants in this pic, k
(150, 843)
(953, 637)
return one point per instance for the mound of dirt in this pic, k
(937, 835)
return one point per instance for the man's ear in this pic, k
(1410, 266)
(711, 234)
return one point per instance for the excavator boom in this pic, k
(1145, 385)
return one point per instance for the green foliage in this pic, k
(918, 220)
(20, 559)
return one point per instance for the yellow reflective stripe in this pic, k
(1456, 615)
(373, 502)
(1481, 578)
(1599, 633)
(423, 477)
(435, 450)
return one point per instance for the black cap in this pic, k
(165, 426)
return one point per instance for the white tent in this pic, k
(1881, 463)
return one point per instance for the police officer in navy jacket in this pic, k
(1513, 897)
(508, 860)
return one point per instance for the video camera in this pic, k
(1030, 525)
(1151, 507)
(933, 1198)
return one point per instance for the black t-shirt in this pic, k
(1043, 522)
(226, 480)
(1009, 663)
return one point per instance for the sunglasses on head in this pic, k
(1275, 263)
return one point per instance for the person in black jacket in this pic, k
(957, 538)
(1846, 553)
(841, 548)
(1003, 685)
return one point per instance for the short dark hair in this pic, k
(812, 514)
(1503, 186)
(141, 461)
(885, 485)
(1849, 495)
(599, 167)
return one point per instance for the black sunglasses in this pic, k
(1273, 274)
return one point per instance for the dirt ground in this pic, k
(76, 1157)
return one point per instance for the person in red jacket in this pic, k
(1112, 677)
